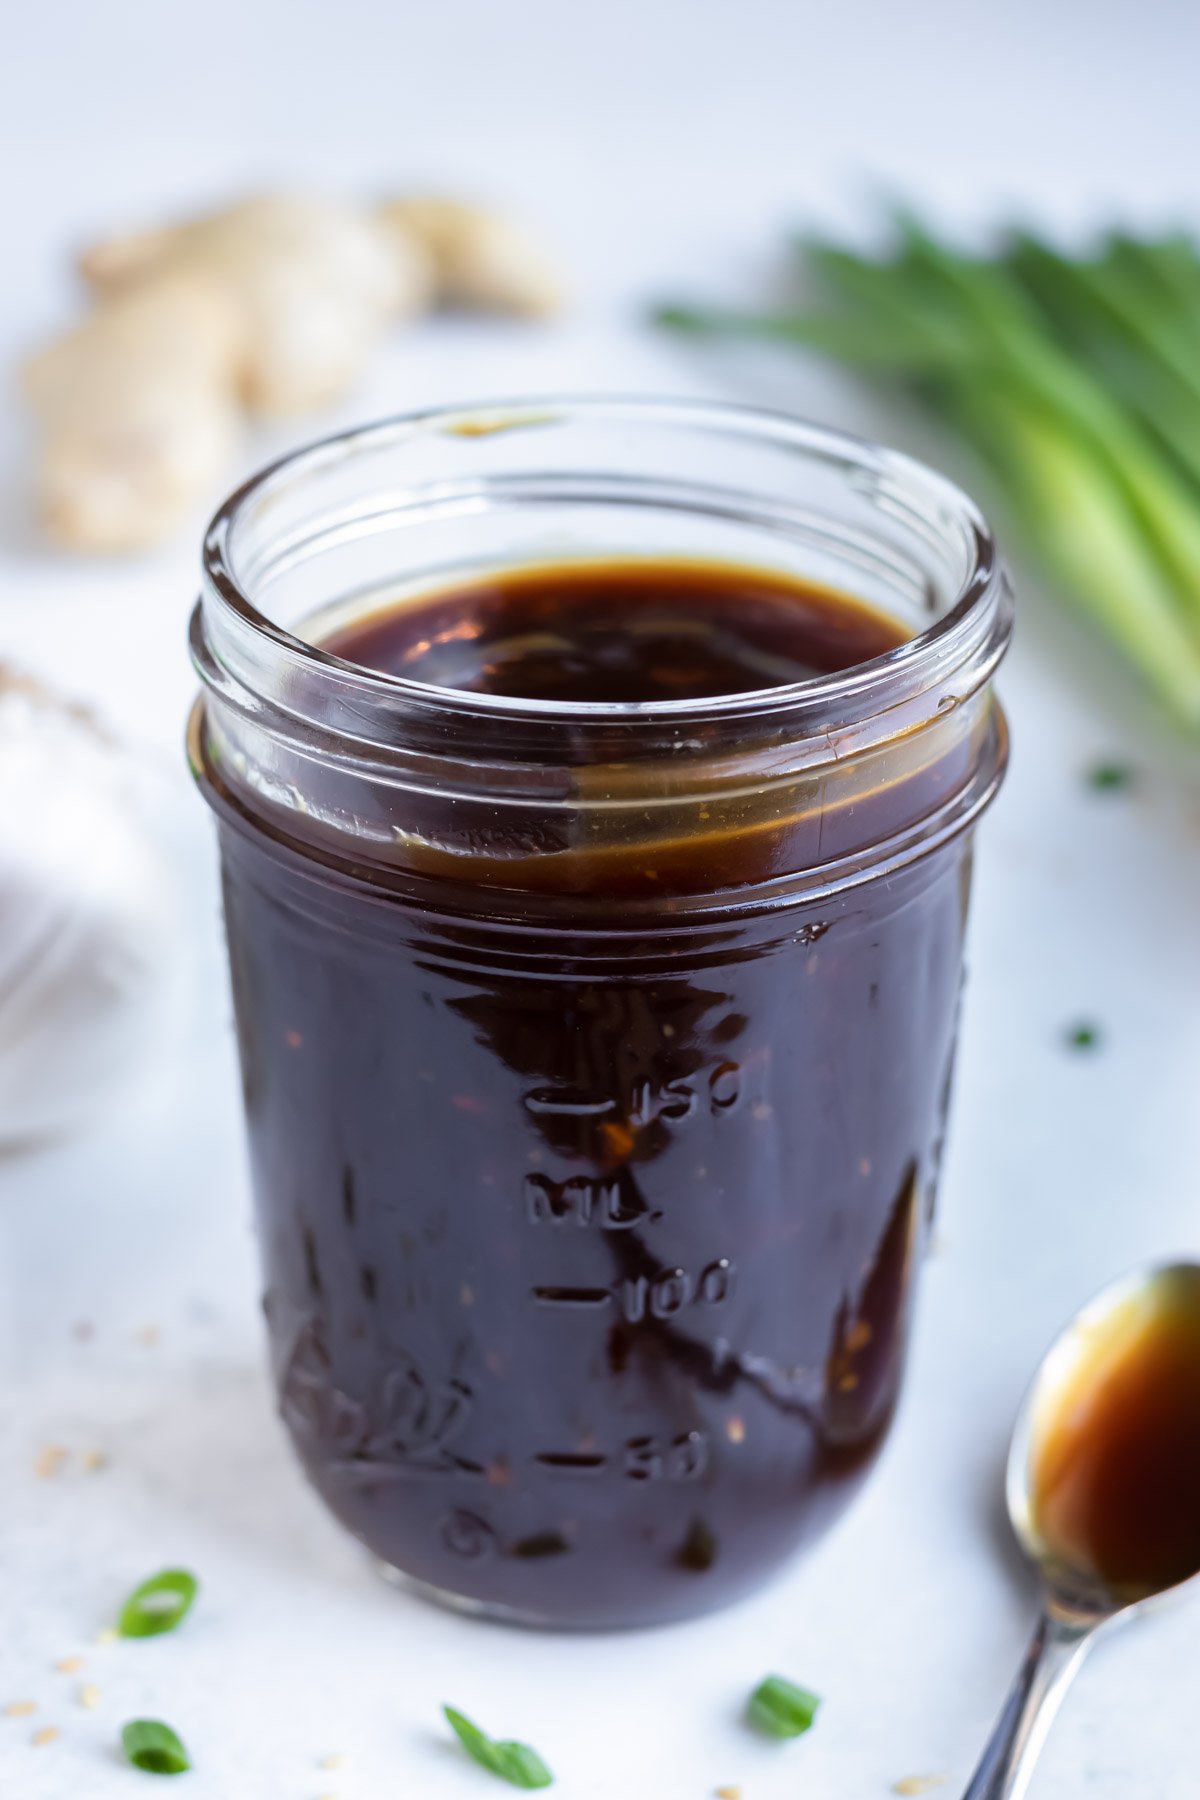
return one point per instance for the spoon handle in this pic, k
(1054, 1654)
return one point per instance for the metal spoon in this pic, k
(1076, 1603)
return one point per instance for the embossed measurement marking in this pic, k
(659, 1296)
(583, 1199)
(674, 1100)
(680, 1458)
(667, 1294)
(547, 1103)
(572, 1296)
(568, 1463)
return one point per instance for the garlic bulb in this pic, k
(85, 917)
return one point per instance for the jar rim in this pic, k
(972, 629)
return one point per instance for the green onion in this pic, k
(1075, 381)
(1131, 330)
(159, 1604)
(514, 1763)
(1084, 1036)
(154, 1747)
(1109, 775)
(781, 1709)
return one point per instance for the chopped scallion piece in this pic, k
(1107, 775)
(514, 1763)
(158, 1604)
(782, 1709)
(154, 1747)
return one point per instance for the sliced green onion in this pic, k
(782, 1709)
(154, 1747)
(159, 1604)
(1084, 1036)
(1109, 775)
(514, 1763)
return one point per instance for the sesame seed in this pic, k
(918, 1784)
(89, 1696)
(858, 1336)
(735, 1430)
(94, 1460)
(336, 1760)
(49, 1461)
(46, 1735)
(848, 1383)
(729, 1793)
(107, 1636)
(20, 1709)
(70, 1665)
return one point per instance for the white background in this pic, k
(665, 145)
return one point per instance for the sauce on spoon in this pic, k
(1115, 1456)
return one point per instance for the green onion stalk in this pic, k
(1073, 381)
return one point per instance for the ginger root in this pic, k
(314, 283)
(481, 259)
(139, 413)
(269, 306)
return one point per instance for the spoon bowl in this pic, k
(1103, 1491)
(1144, 1330)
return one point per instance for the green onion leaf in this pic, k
(154, 1747)
(781, 1709)
(158, 1605)
(1075, 379)
(514, 1763)
(1084, 1036)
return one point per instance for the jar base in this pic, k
(490, 1612)
(494, 1612)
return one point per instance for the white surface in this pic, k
(663, 143)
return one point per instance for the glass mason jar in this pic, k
(596, 1057)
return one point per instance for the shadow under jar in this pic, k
(596, 1052)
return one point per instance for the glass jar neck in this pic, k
(846, 770)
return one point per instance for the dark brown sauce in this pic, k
(621, 633)
(591, 1234)
(1116, 1472)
